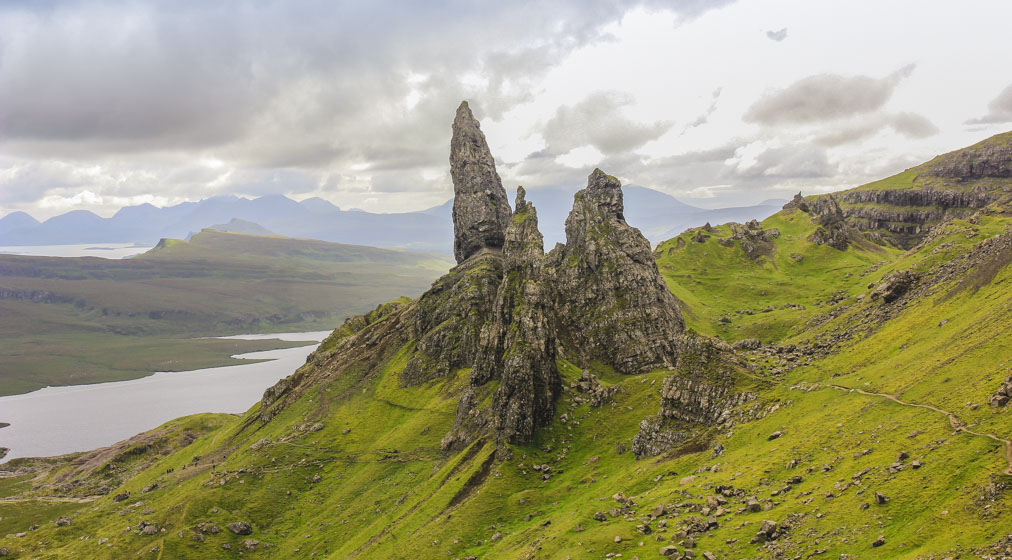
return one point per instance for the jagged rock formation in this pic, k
(448, 318)
(517, 345)
(755, 241)
(689, 399)
(481, 212)
(702, 394)
(612, 303)
(832, 229)
(506, 308)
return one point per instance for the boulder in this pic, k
(241, 527)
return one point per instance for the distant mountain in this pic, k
(15, 221)
(235, 225)
(658, 215)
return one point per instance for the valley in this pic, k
(86, 320)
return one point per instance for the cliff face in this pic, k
(612, 302)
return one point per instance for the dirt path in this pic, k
(955, 422)
(55, 499)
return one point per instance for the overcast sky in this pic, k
(719, 103)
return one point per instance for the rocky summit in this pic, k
(481, 212)
(613, 305)
(826, 383)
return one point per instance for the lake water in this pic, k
(59, 420)
(104, 250)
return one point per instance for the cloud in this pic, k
(598, 121)
(777, 35)
(999, 109)
(913, 125)
(145, 90)
(824, 97)
(910, 125)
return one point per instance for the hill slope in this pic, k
(854, 422)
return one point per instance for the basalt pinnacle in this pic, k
(481, 211)
(612, 301)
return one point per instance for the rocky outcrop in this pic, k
(516, 353)
(894, 285)
(905, 215)
(448, 318)
(1002, 396)
(832, 230)
(506, 308)
(481, 211)
(592, 390)
(938, 198)
(689, 399)
(975, 162)
(612, 303)
(755, 241)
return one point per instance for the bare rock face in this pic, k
(517, 346)
(481, 212)
(448, 318)
(613, 305)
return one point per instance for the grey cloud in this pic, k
(825, 97)
(913, 125)
(777, 35)
(598, 121)
(999, 110)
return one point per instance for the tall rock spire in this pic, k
(611, 299)
(481, 211)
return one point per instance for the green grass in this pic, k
(716, 281)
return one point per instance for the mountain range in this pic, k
(659, 215)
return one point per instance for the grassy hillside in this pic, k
(869, 435)
(83, 320)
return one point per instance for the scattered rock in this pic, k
(241, 527)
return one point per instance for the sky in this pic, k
(718, 103)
